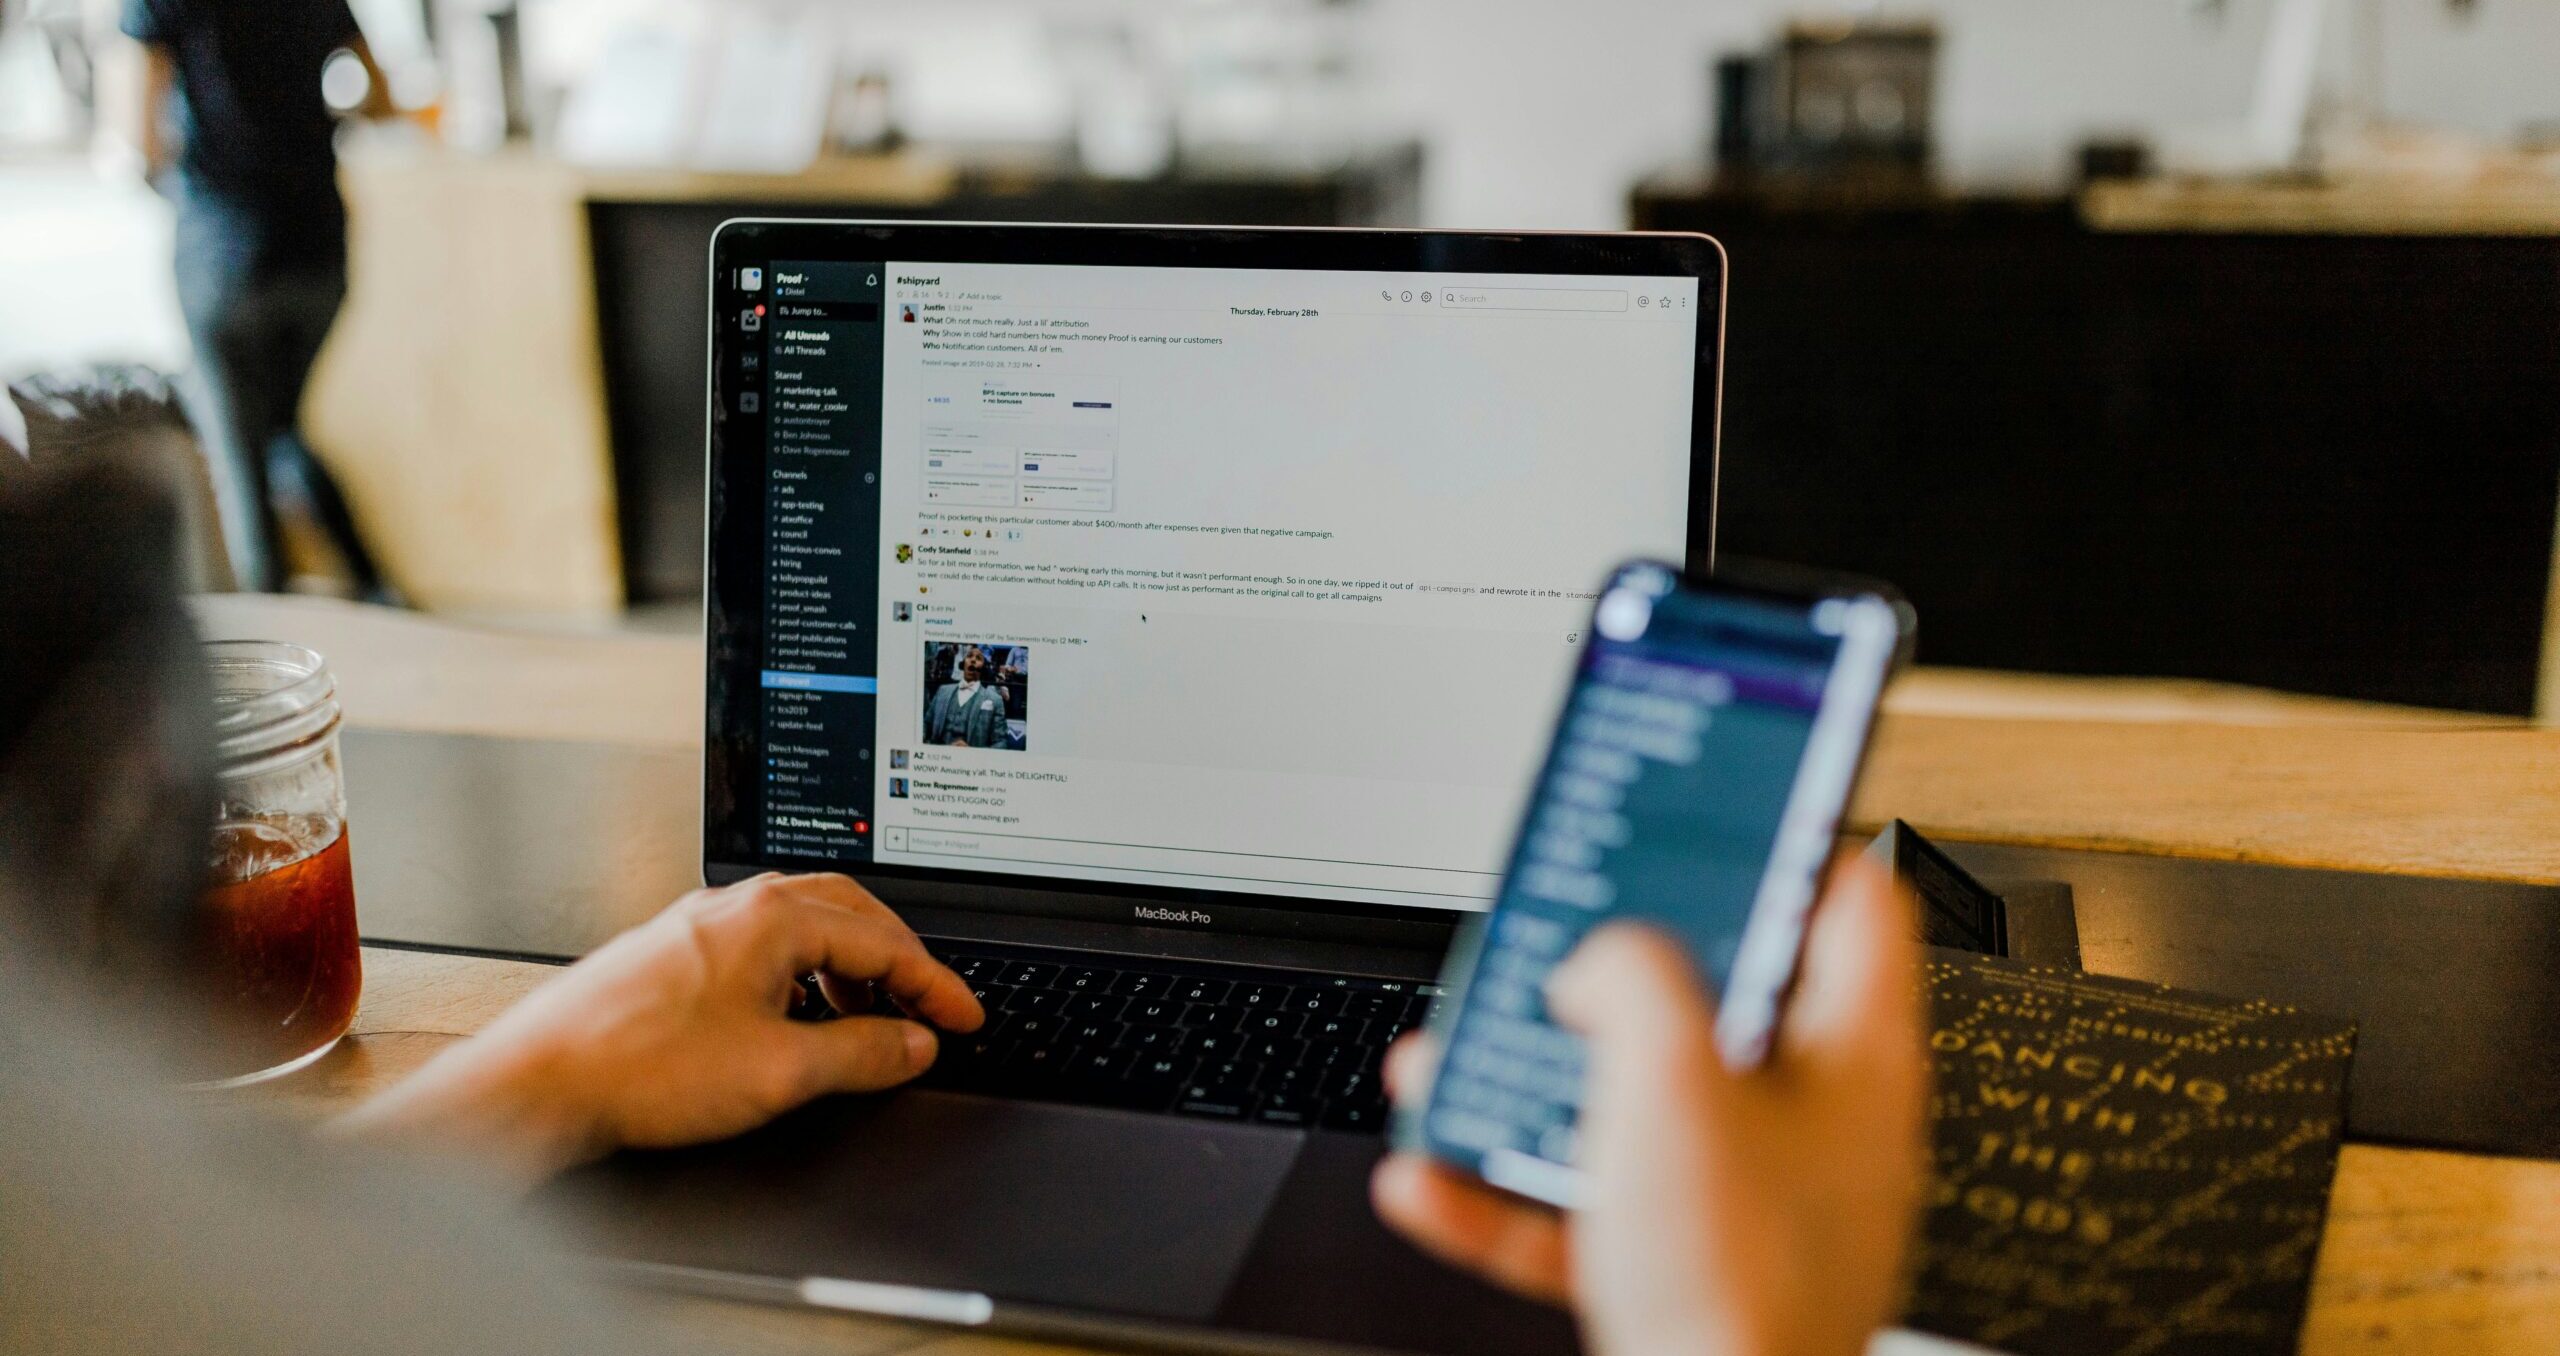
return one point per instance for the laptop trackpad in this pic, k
(1022, 1201)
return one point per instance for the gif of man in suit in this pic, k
(968, 710)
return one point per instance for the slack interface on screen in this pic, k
(1244, 580)
(814, 382)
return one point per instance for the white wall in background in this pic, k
(84, 272)
(1541, 114)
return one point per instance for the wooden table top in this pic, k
(2425, 1251)
(2504, 199)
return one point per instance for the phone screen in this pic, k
(1696, 782)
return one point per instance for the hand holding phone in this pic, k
(1707, 749)
(1759, 1210)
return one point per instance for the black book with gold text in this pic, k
(2122, 1168)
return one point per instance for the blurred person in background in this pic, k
(261, 244)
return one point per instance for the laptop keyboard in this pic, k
(1228, 1042)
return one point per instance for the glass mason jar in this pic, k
(273, 938)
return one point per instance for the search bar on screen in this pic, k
(1533, 299)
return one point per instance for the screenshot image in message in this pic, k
(977, 696)
(1006, 444)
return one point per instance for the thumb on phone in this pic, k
(1633, 994)
(1855, 1015)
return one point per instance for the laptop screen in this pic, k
(1195, 581)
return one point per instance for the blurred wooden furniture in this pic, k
(513, 395)
(456, 398)
(2492, 205)
(2297, 436)
(2426, 1252)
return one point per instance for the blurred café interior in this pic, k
(2219, 331)
(2192, 365)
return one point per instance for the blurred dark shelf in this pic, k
(2320, 460)
(1826, 202)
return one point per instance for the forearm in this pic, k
(482, 1100)
(678, 1032)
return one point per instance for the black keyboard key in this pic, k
(1287, 1108)
(1235, 1071)
(1299, 1054)
(1349, 1085)
(1345, 1029)
(1104, 1035)
(1333, 1054)
(1375, 1004)
(1214, 1016)
(1226, 1101)
(1099, 1063)
(1085, 979)
(1201, 1043)
(1366, 1115)
(1096, 1007)
(1319, 1002)
(1046, 1059)
(1152, 1084)
(1030, 1067)
(1297, 1079)
(1049, 1001)
(966, 1062)
(1275, 1049)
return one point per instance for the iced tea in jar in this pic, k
(272, 943)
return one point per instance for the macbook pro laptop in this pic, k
(1165, 622)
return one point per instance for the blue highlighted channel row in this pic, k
(820, 682)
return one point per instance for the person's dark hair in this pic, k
(106, 794)
(69, 414)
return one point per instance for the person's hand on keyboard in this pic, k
(1739, 1214)
(678, 1032)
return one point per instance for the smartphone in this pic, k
(1708, 745)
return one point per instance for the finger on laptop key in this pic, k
(856, 946)
(863, 1054)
